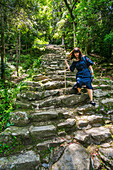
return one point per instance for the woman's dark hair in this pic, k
(76, 50)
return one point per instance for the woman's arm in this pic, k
(90, 67)
(67, 65)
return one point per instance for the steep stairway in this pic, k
(48, 116)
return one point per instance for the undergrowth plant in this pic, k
(7, 98)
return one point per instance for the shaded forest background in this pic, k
(28, 25)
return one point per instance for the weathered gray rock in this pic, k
(75, 157)
(106, 155)
(93, 120)
(82, 137)
(31, 83)
(86, 109)
(103, 87)
(53, 85)
(21, 133)
(69, 123)
(39, 77)
(23, 105)
(41, 132)
(102, 81)
(50, 143)
(99, 134)
(25, 161)
(107, 101)
(96, 162)
(19, 118)
(99, 93)
(44, 115)
(31, 96)
(72, 100)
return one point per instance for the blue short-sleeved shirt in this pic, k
(82, 67)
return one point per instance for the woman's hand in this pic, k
(66, 62)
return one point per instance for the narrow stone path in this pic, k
(49, 118)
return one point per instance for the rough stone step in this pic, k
(103, 81)
(44, 116)
(39, 86)
(103, 87)
(108, 102)
(24, 105)
(74, 157)
(55, 85)
(31, 95)
(28, 160)
(106, 154)
(53, 56)
(28, 135)
(67, 125)
(64, 101)
(99, 93)
(86, 109)
(39, 77)
(42, 132)
(61, 101)
(50, 143)
(86, 122)
(96, 135)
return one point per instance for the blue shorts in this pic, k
(84, 81)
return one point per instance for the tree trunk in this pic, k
(63, 40)
(17, 57)
(19, 44)
(74, 41)
(2, 46)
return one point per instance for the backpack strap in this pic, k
(84, 58)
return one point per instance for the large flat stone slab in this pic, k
(93, 120)
(64, 101)
(31, 96)
(107, 101)
(99, 134)
(41, 132)
(25, 161)
(44, 115)
(75, 157)
(69, 123)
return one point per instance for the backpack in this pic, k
(84, 58)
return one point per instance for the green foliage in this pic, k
(109, 37)
(29, 62)
(7, 98)
(26, 61)
(14, 146)
(94, 26)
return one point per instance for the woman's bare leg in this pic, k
(79, 90)
(90, 93)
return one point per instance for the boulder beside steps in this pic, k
(54, 125)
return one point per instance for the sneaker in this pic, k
(77, 93)
(93, 103)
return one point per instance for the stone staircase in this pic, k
(49, 116)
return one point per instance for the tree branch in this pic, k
(70, 11)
